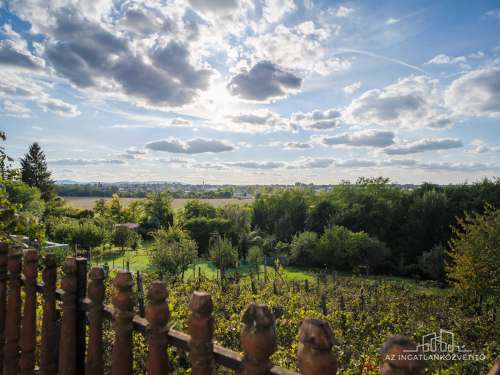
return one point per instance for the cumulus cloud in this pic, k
(216, 6)
(274, 10)
(58, 106)
(257, 122)
(343, 11)
(476, 93)
(264, 81)
(91, 56)
(363, 138)
(350, 89)
(480, 147)
(256, 164)
(443, 59)
(15, 109)
(302, 47)
(291, 145)
(317, 120)
(70, 161)
(192, 146)
(14, 52)
(415, 101)
(422, 145)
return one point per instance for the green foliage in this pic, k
(432, 263)
(196, 208)
(173, 251)
(158, 212)
(86, 235)
(124, 237)
(255, 257)
(239, 218)
(34, 171)
(474, 266)
(304, 248)
(281, 212)
(27, 198)
(201, 229)
(342, 249)
(222, 252)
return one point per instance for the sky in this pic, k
(253, 92)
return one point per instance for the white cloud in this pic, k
(391, 21)
(423, 145)
(343, 11)
(494, 13)
(274, 10)
(363, 138)
(264, 81)
(317, 120)
(15, 109)
(192, 146)
(412, 102)
(302, 47)
(352, 88)
(476, 93)
(443, 59)
(70, 161)
(480, 147)
(257, 122)
(58, 106)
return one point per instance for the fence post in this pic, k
(201, 328)
(4, 250)
(157, 315)
(95, 348)
(28, 327)
(258, 339)
(13, 319)
(68, 336)
(140, 294)
(123, 301)
(48, 352)
(314, 355)
(81, 317)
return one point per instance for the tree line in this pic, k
(369, 225)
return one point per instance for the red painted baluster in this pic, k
(314, 355)
(95, 347)
(258, 339)
(157, 315)
(28, 327)
(201, 329)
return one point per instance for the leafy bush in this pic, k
(255, 257)
(173, 251)
(304, 249)
(431, 263)
(196, 208)
(222, 252)
(343, 249)
(474, 268)
(201, 229)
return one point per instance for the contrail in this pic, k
(396, 61)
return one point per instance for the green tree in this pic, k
(5, 160)
(34, 171)
(222, 252)
(173, 251)
(255, 257)
(304, 248)
(124, 237)
(196, 208)
(116, 209)
(474, 265)
(432, 263)
(201, 229)
(158, 211)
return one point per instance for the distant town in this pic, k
(69, 188)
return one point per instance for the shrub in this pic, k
(173, 251)
(475, 256)
(431, 263)
(222, 252)
(255, 257)
(304, 249)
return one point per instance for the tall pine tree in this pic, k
(34, 171)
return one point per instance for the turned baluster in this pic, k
(4, 250)
(123, 302)
(201, 329)
(258, 339)
(314, 354)
(157, 315)
(48, 352)
(28, 327)
(96, 293)
(67, 341)
(13, 319)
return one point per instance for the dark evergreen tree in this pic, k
(34, 171)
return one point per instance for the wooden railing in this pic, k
(65, 348)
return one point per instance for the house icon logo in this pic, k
(442, 342)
